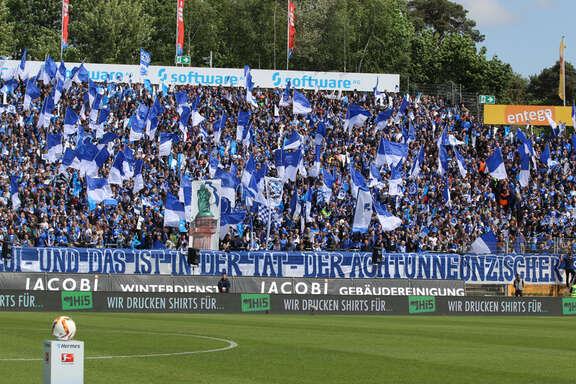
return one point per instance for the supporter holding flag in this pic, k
(388, 222)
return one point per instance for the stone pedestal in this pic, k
(203, 230)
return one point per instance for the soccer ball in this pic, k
(63, 328)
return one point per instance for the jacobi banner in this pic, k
(208, 284)
(71, 301)
(263, 78)
(522, 114)
(484, 269)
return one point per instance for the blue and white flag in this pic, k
(320, 132)
(218, 128)
(166, 140)
(101, 157)
(197, 118)
(229, 219)
(183, 121)
(375, 180)
(495, 165)
(394, 153)
(415, 171)
(98, 189)
(355, 116)
(315, 168)
(300, 104)
(32, 93)
(388, 221)
(485, 244)
(279, 163)
(14, 193)
(138, 178)
(249, 170)
(291, 164)
(357, 180)
(446, 192)
(173, 212)
(395, 181)
(87, 155)
(101, 122)
(229, 184)
(545, 157)
(382, 119)
(573, 116)
(116, 174)
(70, 122)
(325, 190)
(249, 85)
(442, 160)
(242, 124)
(46, 113)
(295, 206)
(378, 96)
(182, 101)
(461, 162)
(47, 71)
(293, 142)
(285, 99)
(57, 91)
(381, 154)
(144, 62)
(21, 71)
(60, 76)
(524, 176)
(213, 164)
(54, 147)
(363, 211)
(67, 159)
(152, 118)
(185, 196)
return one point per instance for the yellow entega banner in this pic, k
(522, 114)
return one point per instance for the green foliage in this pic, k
(431, 41)
(110, 31)
(543, 88)
(442, 16)
(6, 31)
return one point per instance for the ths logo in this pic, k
(421, 304)
(569, 306)
(76, 300)
(67, 358)
(255, 302)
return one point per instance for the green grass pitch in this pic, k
(301, 348)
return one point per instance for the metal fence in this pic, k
(452, 94)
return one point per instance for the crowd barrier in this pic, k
(208, 284)
(70, 301)
(480, 269)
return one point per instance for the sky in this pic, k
(525, 33)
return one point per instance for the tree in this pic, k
(38, 27)
(6, 31)
(110, 31)
(543, 88)
(442, 16)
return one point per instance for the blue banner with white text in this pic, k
(482, 269)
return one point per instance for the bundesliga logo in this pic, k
(67, 358)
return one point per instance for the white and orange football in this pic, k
(63, 328)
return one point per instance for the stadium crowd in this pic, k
(44, 196)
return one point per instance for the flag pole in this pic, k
(287, 34)
(61, 29)
(564, 70)
(176, 45)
